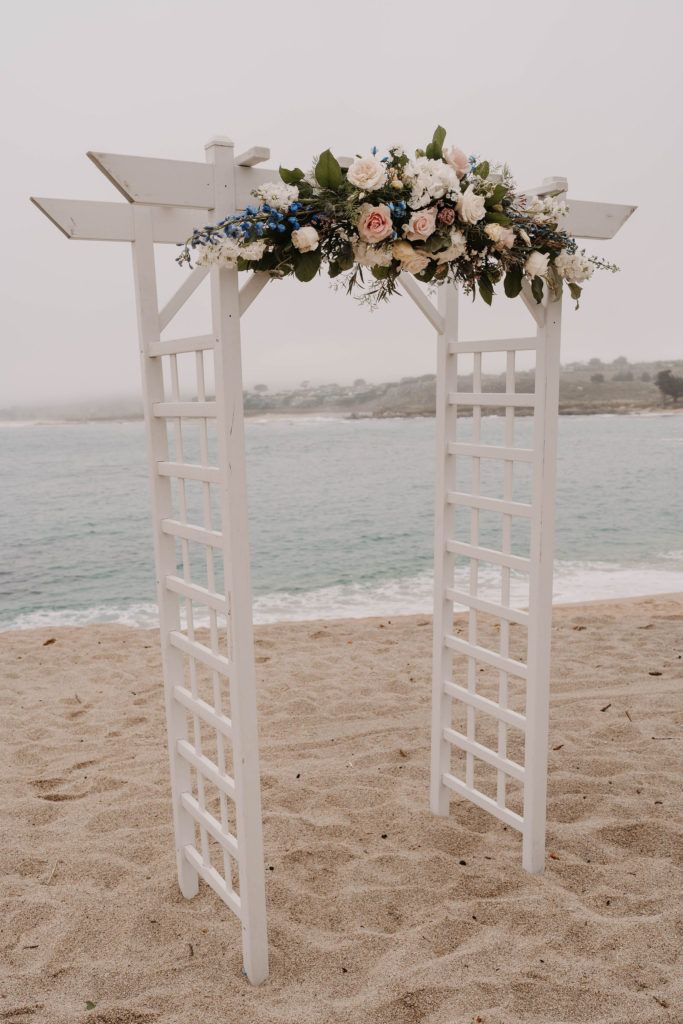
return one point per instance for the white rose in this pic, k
(305, 239)
(367, 174)
(536, 265)
(502, 238)
(470, 206)
(372, 255)
(411, 260)
(455, 249)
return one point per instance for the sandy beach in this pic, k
(379, 912)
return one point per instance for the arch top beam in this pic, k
(185, 183)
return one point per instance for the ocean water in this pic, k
(341, 516)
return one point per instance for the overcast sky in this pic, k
(587, 90)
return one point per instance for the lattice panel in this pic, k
(194, 420)
(495, 493)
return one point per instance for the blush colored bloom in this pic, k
(374, 223)
(458, 161)
(421, 225)
(446, 215)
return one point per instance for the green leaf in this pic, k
(513, 282)
(537, 288)
(485, 290)
(428, 273)
(307, 264)
(439, 138)
(89, 1005)
(333, 269)
(494, 217)
(328, 173)
(436, 242)
(482, 169)
(345, 259)
(381, 273)
(575, 292)
(420, 152)
(291, 177)
(498, 194)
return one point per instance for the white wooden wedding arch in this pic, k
(209, 675)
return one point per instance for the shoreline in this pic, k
(564, 607)
(325, 414)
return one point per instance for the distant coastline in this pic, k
(592, 388)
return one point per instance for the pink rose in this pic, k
(446, 216)
(374, 223)
(421, 225)
(458, 161)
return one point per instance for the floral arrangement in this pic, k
(439, 215)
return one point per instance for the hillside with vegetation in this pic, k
(592, 387)
(585, 388)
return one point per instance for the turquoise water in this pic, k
(341, 516)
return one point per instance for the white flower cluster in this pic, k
(430, 179)
(372, 255)
(228, 252)
(277, 194)
(573, 267)
(546, 209)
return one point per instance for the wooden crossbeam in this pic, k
(86, 220)
(156, 182)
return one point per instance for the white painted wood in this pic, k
(595, 220)
(491, 399)
(212, 878)
(255, 155)
(221, 780)
(422, 301)
(196, 593)
(113, 222)
(156, 182)
(178, 346)
(457, 739)
(484, 704)
(165, 197)
(202, 709)
(251, 289)
(180, 297)
(185, 410)
(164, 545)
(185, 471)
(488, 607)
(548, 187)
(490, 451)
(496, 345)
(202, 653)
(483, 801)
(211, 824)
(541, 589)
(233, 497)
(442, 658)
(198, 534)
(516, 562)
(511, 508)
(483, 654)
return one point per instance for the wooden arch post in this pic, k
(197, 473)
